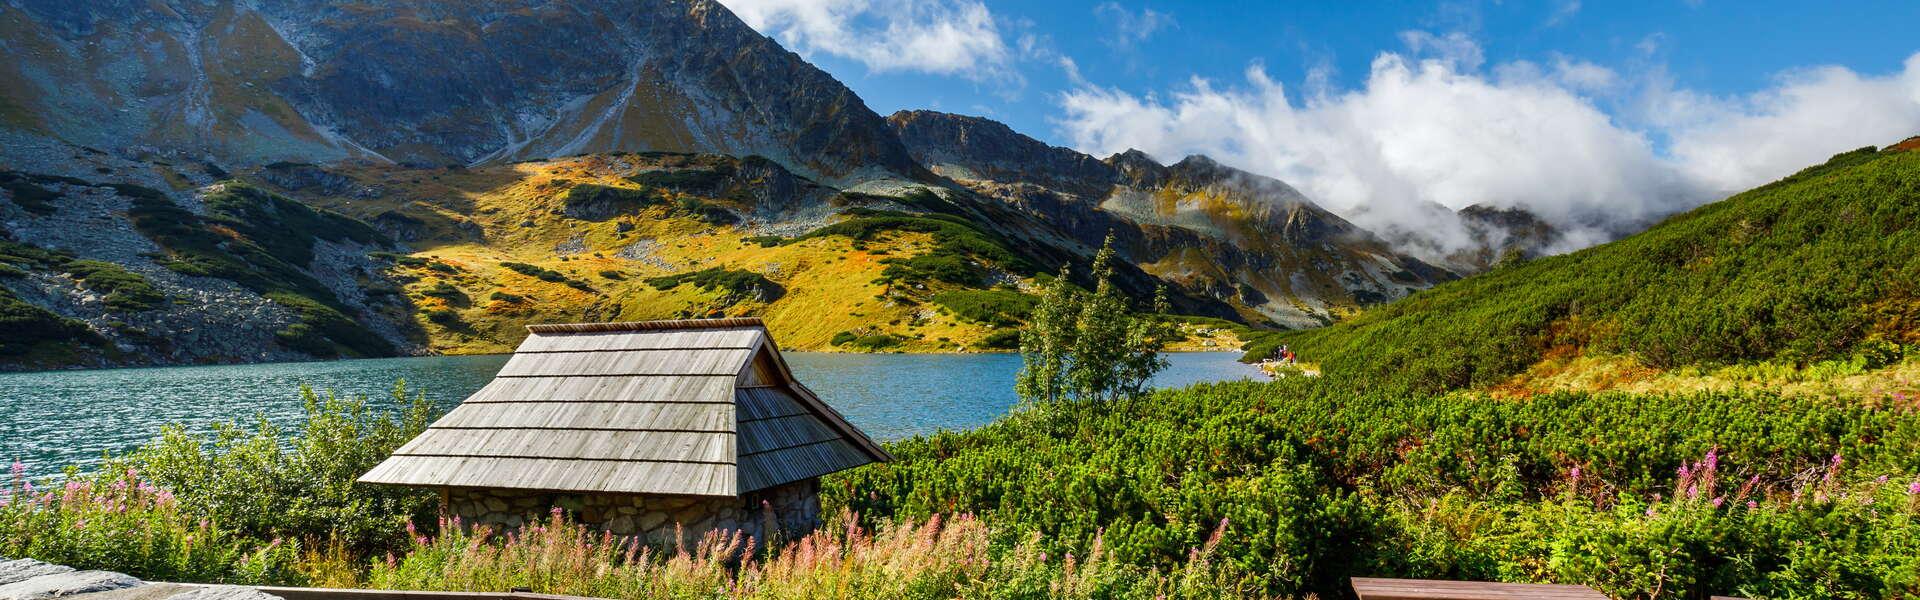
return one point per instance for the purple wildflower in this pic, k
(1718, 500)
(1752, 504)
(1913, 488)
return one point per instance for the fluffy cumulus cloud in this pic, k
(946, 37)
(1432, 130)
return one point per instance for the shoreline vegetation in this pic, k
(1097, 488)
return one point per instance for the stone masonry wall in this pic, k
(793, 509)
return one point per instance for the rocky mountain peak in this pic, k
(430, 82)
(975, 148)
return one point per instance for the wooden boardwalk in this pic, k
(1370, 588)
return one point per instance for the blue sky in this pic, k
(1718, 47)
(1585, 112)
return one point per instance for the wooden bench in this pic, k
(1372, 588)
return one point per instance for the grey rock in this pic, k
(66, 584)
(15, 571)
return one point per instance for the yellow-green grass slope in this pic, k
(1817, 271)
(497, 248)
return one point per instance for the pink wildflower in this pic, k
(1718, 500)
(1913, 488)
(1752, 505)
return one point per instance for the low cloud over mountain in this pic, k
(1433, 127)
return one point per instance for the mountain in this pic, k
(427, 82)
(1502, 235)
(231, 182)
(1248, 240)
(1823, 265)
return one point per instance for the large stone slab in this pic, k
(15, 571)
(57, 585)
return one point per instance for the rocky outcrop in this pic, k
(1214, 231)
(28, 579)
(428, 82)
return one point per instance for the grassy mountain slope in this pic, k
(1821, 265)
(662, 235)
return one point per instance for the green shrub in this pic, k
(506, 297)
(445, 317)
(28, 194)
(614, 275)
(275, 236)
(998, 308)
(1309, 481)
(446, 291)
(959, 245)
(1005, 339)
(867, 341)
(1802, 270)
(765, 241)
(117, 521)
(266, 482)
(125, 290)
(707, 212)
(538, 272)
(600, 202)
(737, 285)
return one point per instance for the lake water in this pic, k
(58, 418)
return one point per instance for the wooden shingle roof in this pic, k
(702, 407)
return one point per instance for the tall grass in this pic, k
(941, 557)
(121, 522)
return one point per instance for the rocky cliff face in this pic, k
(427, 82)
(1251, 241)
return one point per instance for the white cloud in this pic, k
(1810, 114)
(945, 37)
(1429, 128)
(1129, 27)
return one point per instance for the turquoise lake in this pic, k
(57, 418)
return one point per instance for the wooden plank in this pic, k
(626, 388)
(538, 474)
(649, 340)
(712, 447)
(766, 403)
(591, 416)
(773, 434)
(627, 362)
(787, 465)
(1370, 588)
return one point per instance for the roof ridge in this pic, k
(660, 325)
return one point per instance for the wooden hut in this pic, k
(637, 428)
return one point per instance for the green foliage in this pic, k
(737, 285)
(30, 327)
(1802, 270)
(588, 200)
(1005, 339)
(546, 274)
(766, 241)
(505, 297)
(1089, 346)
(445, 317)
(125, 290)
(866, 341)
(256, 239)
(959, 245)
(998, 308)
(535, 271)
(698, 180)
(27, 193)
(1309, 481)
(707, 212)
(117, 521)
(258, 483)
(446, 291)
(612, 274)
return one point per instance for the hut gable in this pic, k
(685, 408)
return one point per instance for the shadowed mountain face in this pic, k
(428, 82)
(1251, 241)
